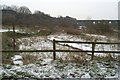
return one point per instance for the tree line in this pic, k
(23, 17)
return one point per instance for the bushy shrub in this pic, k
(44, 32)
(100, 28)
(6, 41)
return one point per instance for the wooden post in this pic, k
(13, 37)
(93, 47)
(54, 47)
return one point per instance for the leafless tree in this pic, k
(15, 8)
(38, 12)
(24, 10)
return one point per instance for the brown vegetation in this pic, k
(29, 58)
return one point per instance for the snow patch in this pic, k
(18, 62)
(17, 57)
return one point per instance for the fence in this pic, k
(55, 50)
(93, 47)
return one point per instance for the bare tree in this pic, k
(4, 7)
(38, 12)
(15, 8)
(24, 10)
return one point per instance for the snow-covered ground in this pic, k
(98, 47)
(45, 67)
(37, 43)
(41, 43)
(6, 30)
(16, 30)
(56, 69)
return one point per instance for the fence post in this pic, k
(93, 48)
(13, 37)
(54, 47)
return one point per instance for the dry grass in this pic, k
(7, 57)
(110, 34)
(7, 61)
(83, 58)
(75, 57)
(109, 57)
(29, 58)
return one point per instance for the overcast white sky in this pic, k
(80, 9)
